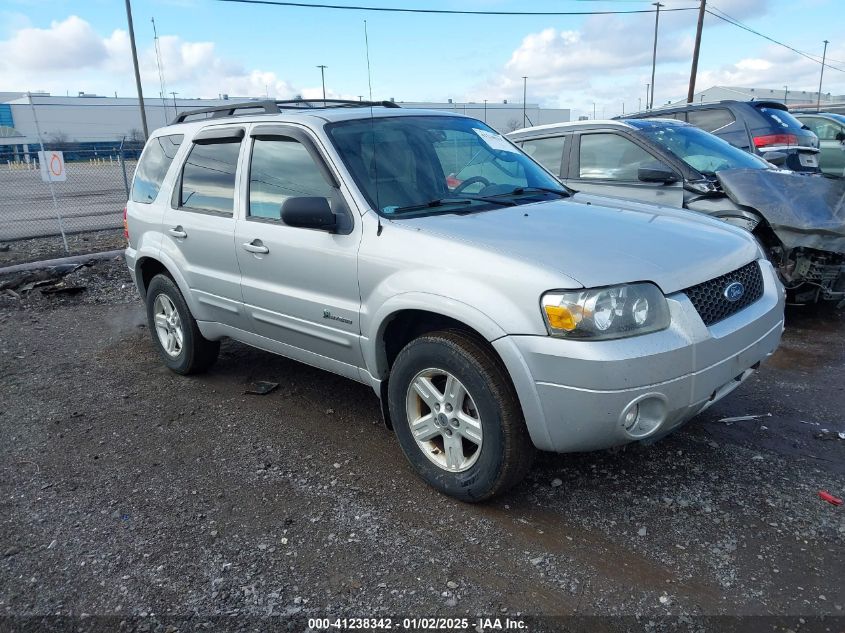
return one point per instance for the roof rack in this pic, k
(275, 107)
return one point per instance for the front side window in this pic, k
(208, 178)
(608, 156)
(430, 164)
(153, 166)
(282, 168)
(546, 151)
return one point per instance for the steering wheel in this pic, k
(471, 181)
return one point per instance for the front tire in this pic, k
(174, 330)
(457, 416)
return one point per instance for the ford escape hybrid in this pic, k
(492, 316)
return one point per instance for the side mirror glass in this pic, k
(309, 213)
(656, 172)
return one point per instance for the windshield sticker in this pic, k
(495, 141)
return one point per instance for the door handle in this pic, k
(255, 246)
(178, 232)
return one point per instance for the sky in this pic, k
(209, 47)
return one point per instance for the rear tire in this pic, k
(457, 416)
(174, 330)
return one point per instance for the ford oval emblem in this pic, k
(734, 291)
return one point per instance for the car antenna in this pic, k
(372, 125)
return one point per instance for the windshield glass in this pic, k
(439, 163)
(701, 150)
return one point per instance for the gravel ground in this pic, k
(41, 248)
(128, 491)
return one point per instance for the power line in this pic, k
(726, 18)
(305, 5)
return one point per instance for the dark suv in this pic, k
(765, 128)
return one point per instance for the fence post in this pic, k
(123, 166)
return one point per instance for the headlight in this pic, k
(606, 313)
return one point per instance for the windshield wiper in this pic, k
(441, 202)
(517, 191)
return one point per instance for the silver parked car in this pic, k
(799, 218)
(492, 317)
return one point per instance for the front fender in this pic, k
(374, 359)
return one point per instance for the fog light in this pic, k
(631, 417)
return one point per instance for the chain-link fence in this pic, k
(91, 197)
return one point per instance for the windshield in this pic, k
(414, 165)
(701, 150)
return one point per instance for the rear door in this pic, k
(300, 286)
(607, 162)
(832, 154)
(199, 226)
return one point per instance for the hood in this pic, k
(803, 210)
(600, 241)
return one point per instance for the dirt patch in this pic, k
(128, 490)
(41, 248)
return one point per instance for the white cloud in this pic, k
(70, 56)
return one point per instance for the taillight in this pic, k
(768, 140)
(125, 225)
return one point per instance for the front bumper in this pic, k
(575, 394)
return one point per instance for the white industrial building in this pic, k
(792, 98)
(96, 123)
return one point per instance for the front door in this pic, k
(300, 286)
(607, 163)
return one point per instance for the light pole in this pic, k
(175, 109)
(594, 110)
(137, 72)
(785, 92)
(821, 76)
(323, 77)
(524, 93)
(485, 110)
(647, 86)
(654, 51)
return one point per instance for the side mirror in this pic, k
(840, 136)
(656, 172)
(775, 158)
(309, 213)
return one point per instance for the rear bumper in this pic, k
(575, 395)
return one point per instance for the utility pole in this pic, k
(654, 52)
(485, 110)
(695, 51)
(647, 86)
(137, 72)
(785, 92)
(594, 110)
(821, 77)
(524, 94)
(175, 109)
(323, 77)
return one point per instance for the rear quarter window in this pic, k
(153, 167)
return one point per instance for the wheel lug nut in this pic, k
(448, 407)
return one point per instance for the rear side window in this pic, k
(153, 167)
(710, 120)
(208, 178)
(546, 151)
(282, 168)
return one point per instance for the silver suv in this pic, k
(492, 315)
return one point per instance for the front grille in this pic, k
(709, 297)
